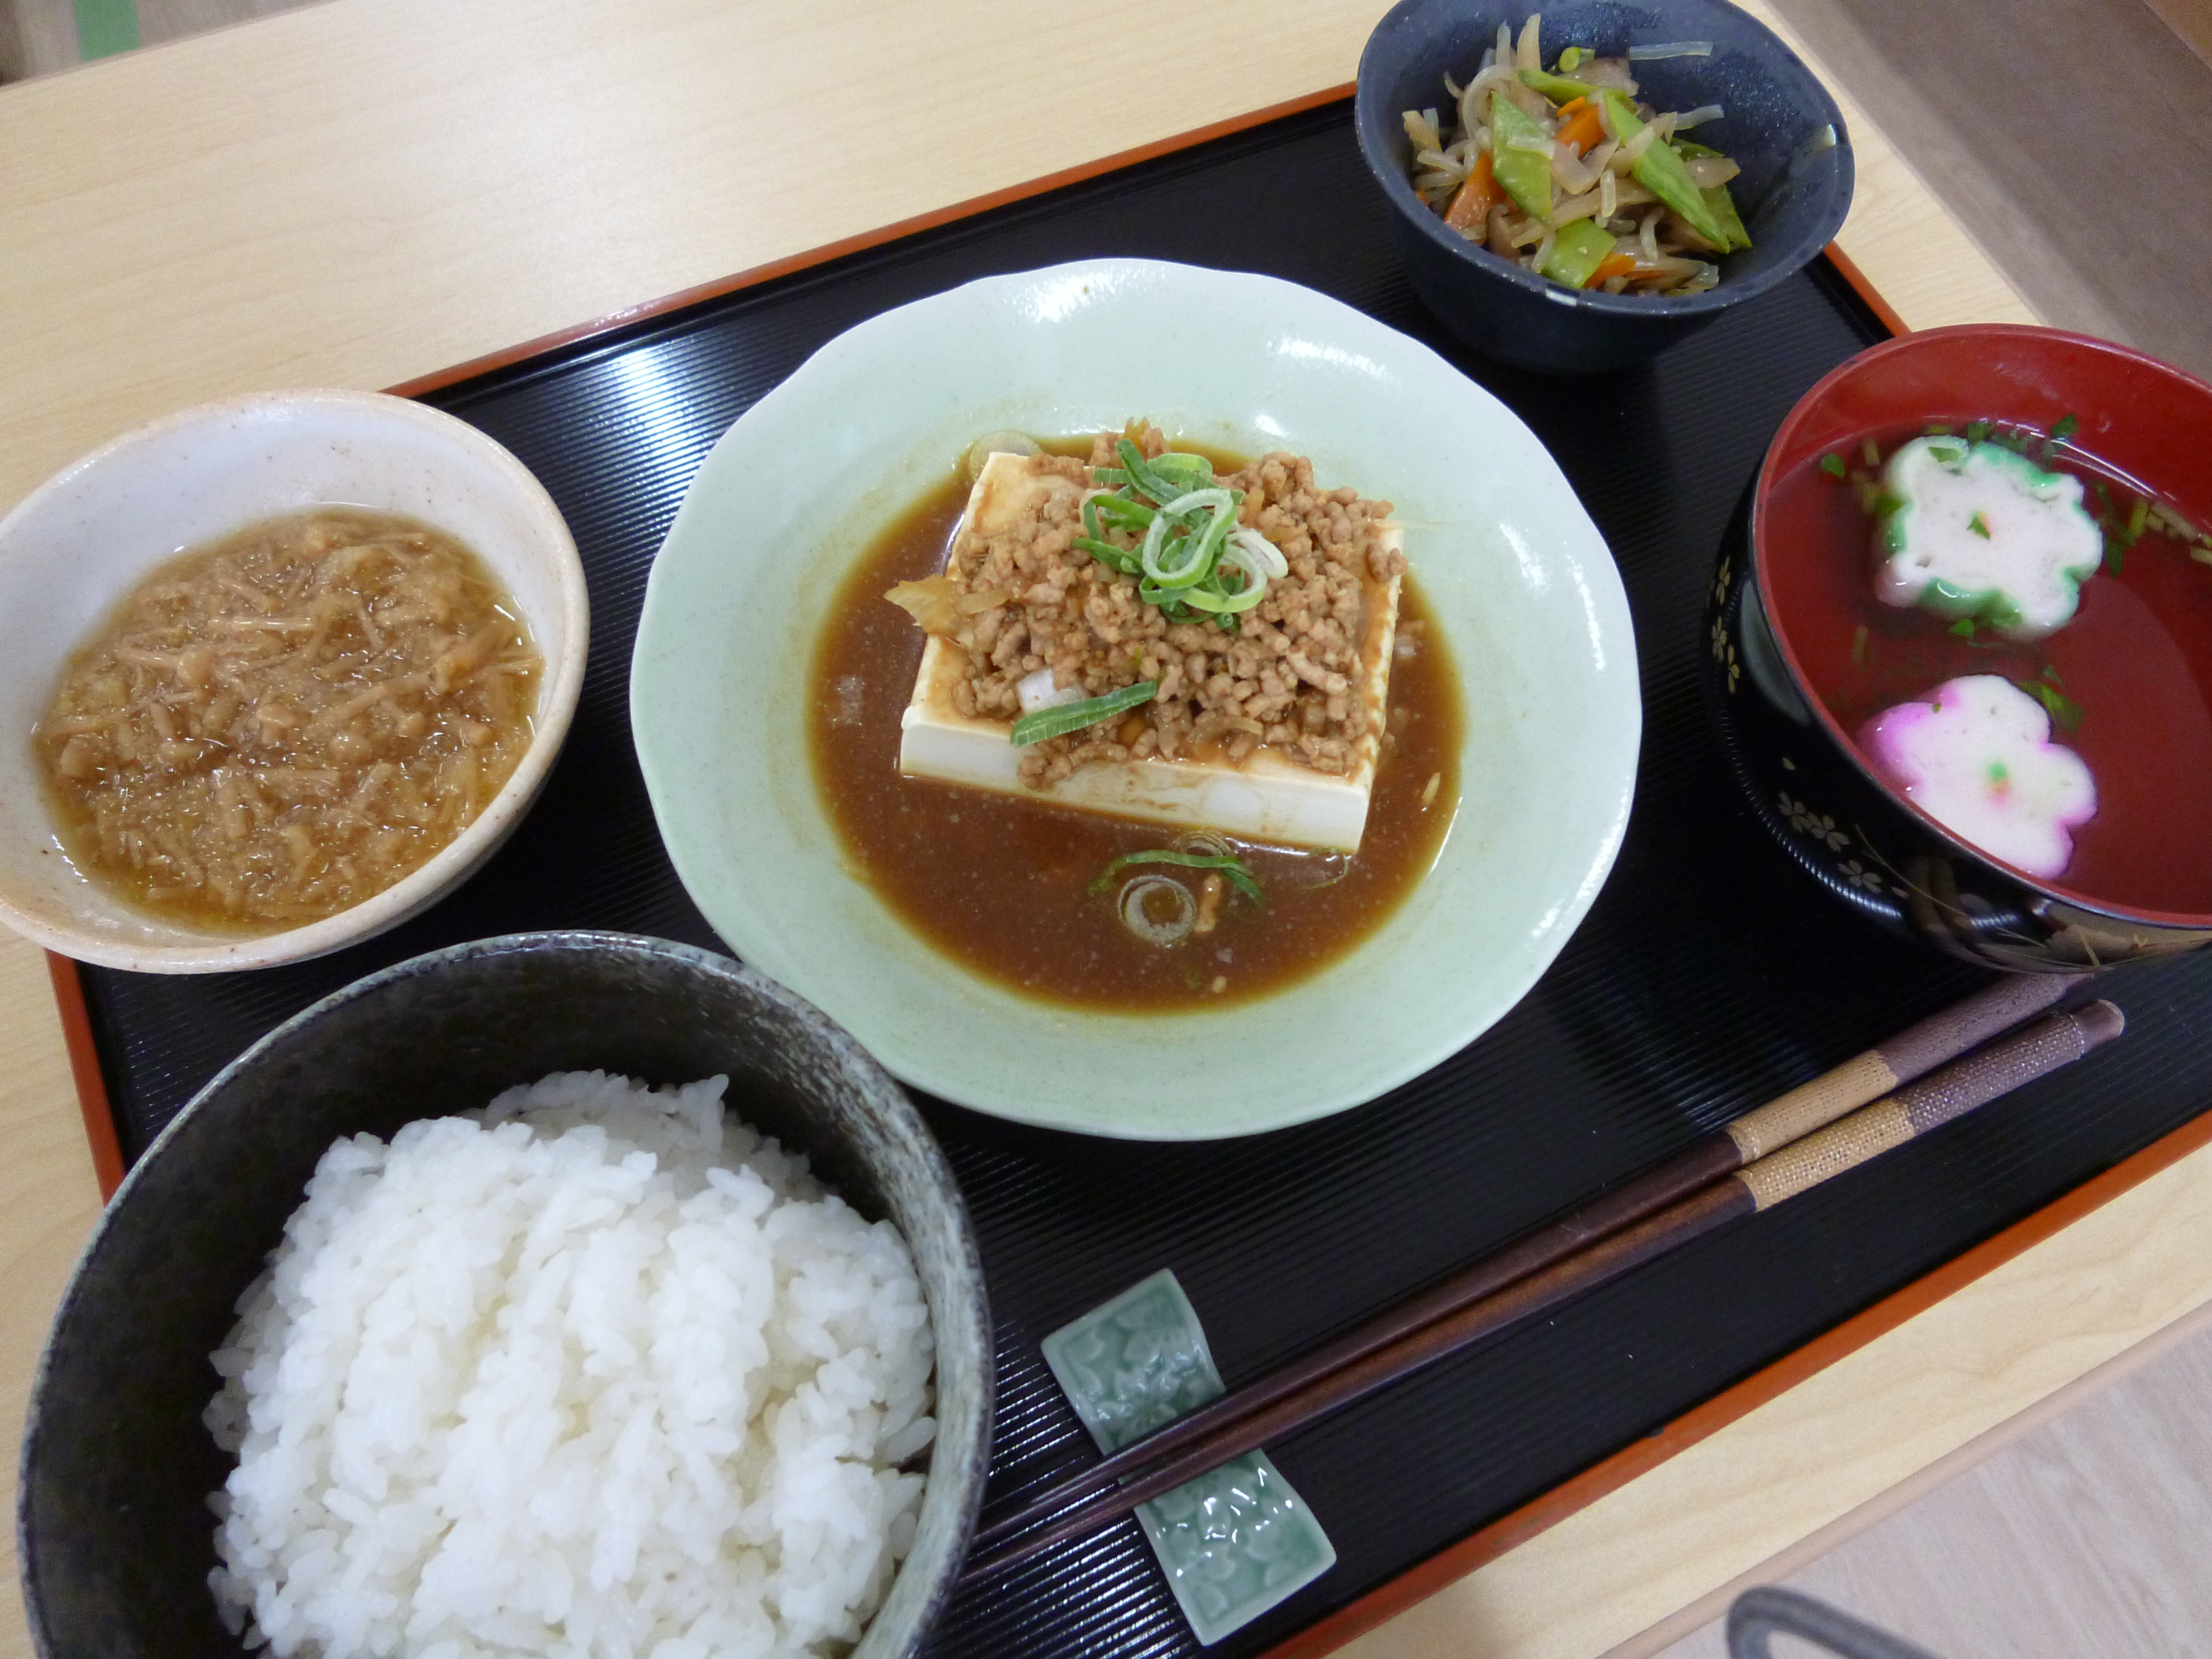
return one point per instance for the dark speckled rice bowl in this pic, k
(114, 1535)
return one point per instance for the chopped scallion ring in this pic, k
(1074, 716)
(1136, 904)
(1270, 557)
(1239, 874)
(1172, 557)
(1209, 597)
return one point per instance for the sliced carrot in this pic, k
(1476, 197)
(1572, 106)
(1584, 131)
(1614, 264)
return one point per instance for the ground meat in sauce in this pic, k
(281, 724)
(1287, 677)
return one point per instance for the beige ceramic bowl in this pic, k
(77, 545)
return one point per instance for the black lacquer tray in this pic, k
(1710, 974)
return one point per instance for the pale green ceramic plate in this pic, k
(791, 495)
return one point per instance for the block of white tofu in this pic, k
(1267, 798)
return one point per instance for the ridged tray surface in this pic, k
(1709, 976)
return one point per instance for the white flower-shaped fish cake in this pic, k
(1977, 757)
(1974, 530)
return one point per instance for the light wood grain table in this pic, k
(363, 192)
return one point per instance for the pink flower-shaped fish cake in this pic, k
(1977, 756)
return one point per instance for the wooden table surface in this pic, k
(365, 191)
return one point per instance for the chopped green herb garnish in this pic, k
(1869, 452)
(1884, 501)
(1238, 873)
(1834, 465)
(1058, 721)
(2050, 673)
(1980, 525)
(1121, 558)
(2066, 426)
(2065, 712)
(1935, 431)
(2118, 537)
(1976, 431)
(1189, 539)
(1963, 628)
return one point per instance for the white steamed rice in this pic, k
(592, 1372)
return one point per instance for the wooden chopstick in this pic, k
(1912, 1053)
(1269, 1410)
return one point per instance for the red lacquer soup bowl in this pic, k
(1803, 655)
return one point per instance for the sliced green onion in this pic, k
(1220, 603)
(1172, 557)
(1141, 474)
(1216, 596)
(1118, 558)
(1272, 563)
(1140, 893)
(1833, 465)
(1192, 500)
(1239, 874)
(1239, 556)
(1135, 514)
(1074, 716)
(1191, 472)
(1219, 503)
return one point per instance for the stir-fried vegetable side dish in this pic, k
(1101, 611)
(2017, 638)
(1562, 172)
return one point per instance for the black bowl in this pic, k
(1793, 196)
(1802, 774)
(114, 1537)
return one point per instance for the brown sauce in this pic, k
(1002, 885)
(283, 723)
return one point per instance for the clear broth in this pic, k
(2137, 662)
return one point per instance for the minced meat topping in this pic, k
(1289, 676)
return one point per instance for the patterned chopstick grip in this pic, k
(1765, 1130)
(2002, 1066)
(1910, 1054)
(1951, 1093)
